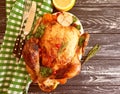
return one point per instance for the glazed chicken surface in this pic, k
(58, 50)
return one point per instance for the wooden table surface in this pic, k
(101, 74)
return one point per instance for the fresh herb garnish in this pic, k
(74, 23)
(40, 31)
(45, 71)
(92, 52)
(81, 41)
(74, 19)
(63, 46)
(78, 27)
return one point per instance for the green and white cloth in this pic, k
(13, 76)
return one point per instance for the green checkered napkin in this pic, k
(13, 76)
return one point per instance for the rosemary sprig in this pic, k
(91, 53)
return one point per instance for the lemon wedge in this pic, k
(63, 5)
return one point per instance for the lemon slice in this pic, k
(63, 5)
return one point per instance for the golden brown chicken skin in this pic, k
(59, 46)
(58, 50)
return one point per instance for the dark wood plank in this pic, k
(79, 90)
(98, 16)
(99, 20)
(110, 46)
(96, 72)
(96, 12)
(101, 24)
(97, 2)
(2, 20)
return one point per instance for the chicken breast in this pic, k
(58, 50)
(59, 45)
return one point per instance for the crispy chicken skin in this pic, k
(59, 46)
(57, 49)
(31, 57)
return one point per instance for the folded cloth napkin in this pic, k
(13, 76)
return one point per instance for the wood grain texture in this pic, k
(97, 21)
(101, 74)
(2, 20)
(96, 72)
(110, 46)
(79, 90)
(96, 2)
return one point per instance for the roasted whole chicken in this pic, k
(52, 55)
